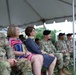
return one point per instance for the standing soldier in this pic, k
(69, 42)
(62, 47)
(49, 48)
(7, 59)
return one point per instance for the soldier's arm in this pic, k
(69, 46)
(58, 46)
(54, 49)
(9, 49)
(41, 45)
(9, 53)
(67, 43)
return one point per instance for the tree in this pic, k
(40, 34)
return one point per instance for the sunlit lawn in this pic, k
(69, 68)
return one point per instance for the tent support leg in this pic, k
(74, 35)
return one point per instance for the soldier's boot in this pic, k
(66, 72)
(60, 72)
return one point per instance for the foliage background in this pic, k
(40, 34)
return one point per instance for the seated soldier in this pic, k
(37, 41)
(48, 47)
(62, 48)
(7, 59)
(22, 38)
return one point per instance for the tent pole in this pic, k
(44, 25)
(74, 35)
(8, 11)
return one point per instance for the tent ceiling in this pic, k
(26, 12)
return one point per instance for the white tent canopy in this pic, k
(26, 12)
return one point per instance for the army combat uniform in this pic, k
(69, 45)
(61, 45)
(6, 53)
(48, 47)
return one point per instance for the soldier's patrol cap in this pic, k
(69, 34)
(46, 32)
(61, 34)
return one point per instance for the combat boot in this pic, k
(60, 72)
(66, 72)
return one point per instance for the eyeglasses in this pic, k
(33, 30)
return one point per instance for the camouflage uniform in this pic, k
(48, 47)
(61, 45)
(6, 53)
(69, 45)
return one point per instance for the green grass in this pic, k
(69, 68)
(74, 73)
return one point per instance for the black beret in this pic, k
(69, 34)
(46, 32)
(61, 34)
